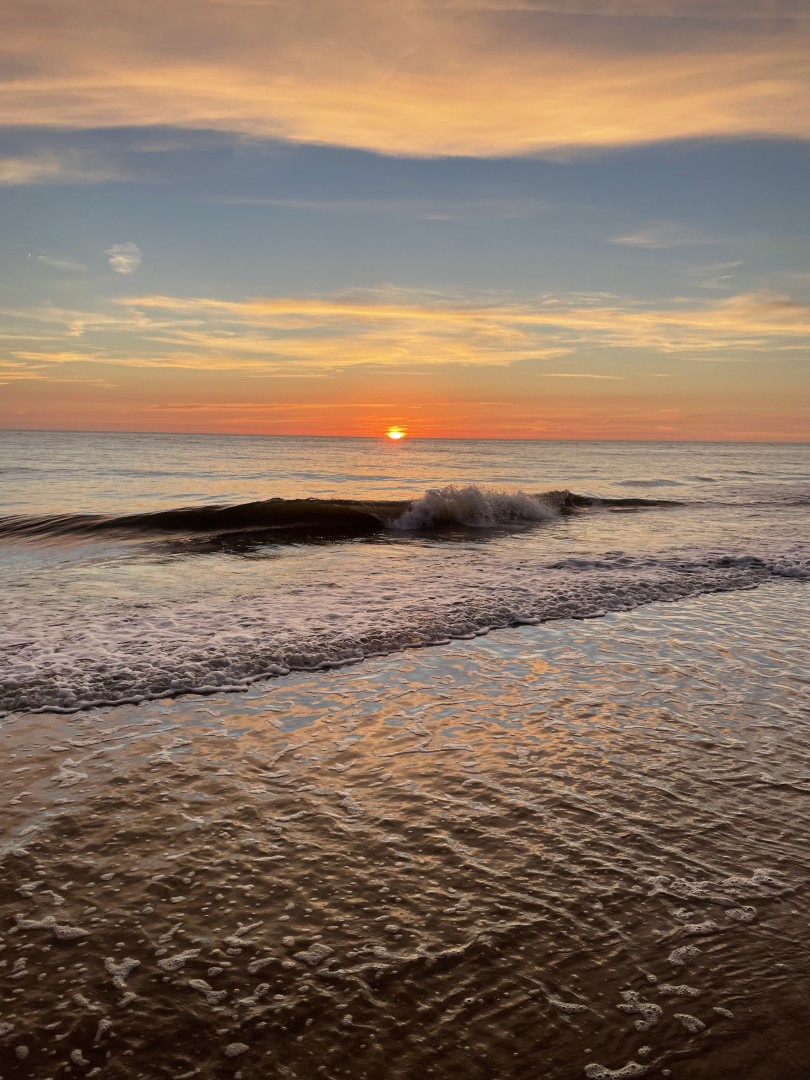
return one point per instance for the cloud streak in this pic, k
(427, 79)
(663, 234)
(59, 262)
(494, 328)
(408, 333)
(68, 166)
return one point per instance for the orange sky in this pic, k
(506, 218)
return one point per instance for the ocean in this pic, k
(373, 760)
(304, 553)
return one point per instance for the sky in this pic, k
(584, 219)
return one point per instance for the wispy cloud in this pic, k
(68, 166)
(581, 375)
(269, 406)
(409, 333)
(663, 234)
(712, 275)
(11, 372)
(124, 258)
(453, 208)
(425, 78)
(647, 9)
(59, 262)
(494, 328)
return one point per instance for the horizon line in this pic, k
(407, 439)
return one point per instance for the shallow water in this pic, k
(551, 852)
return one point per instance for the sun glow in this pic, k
(395, 433)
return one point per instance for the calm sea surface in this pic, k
(257, 825)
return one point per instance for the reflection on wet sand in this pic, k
(565, 851)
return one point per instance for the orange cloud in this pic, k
(416, 78)
(390, 328)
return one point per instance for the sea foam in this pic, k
(475, 507)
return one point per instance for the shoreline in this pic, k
(472, 851)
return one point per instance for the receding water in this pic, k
(558, 852)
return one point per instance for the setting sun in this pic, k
(395, 433)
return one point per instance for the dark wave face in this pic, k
(291, 516)
(299, 519)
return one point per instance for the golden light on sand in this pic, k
(395, 433)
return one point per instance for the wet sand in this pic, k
(573, 850)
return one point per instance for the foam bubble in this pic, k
(104, 1027)
(691, 1023)
(120, 972)
(212, 996)
(683, 955)
(61, 931)
(648, 1012)
(235, 1049)
(681, 990)
(178, 961)
(568, 1007)
(742, 914)
(315, 954)
(627, 1072)
(700, 929)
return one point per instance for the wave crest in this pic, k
(475, 507)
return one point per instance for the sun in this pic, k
(395, 433)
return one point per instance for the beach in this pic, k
(404, 540)
(577, 849)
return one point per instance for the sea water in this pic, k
(111, 595)
(571, 841)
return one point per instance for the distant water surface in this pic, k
(107, 472)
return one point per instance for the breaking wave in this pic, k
(478, 508)
(299, 519)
